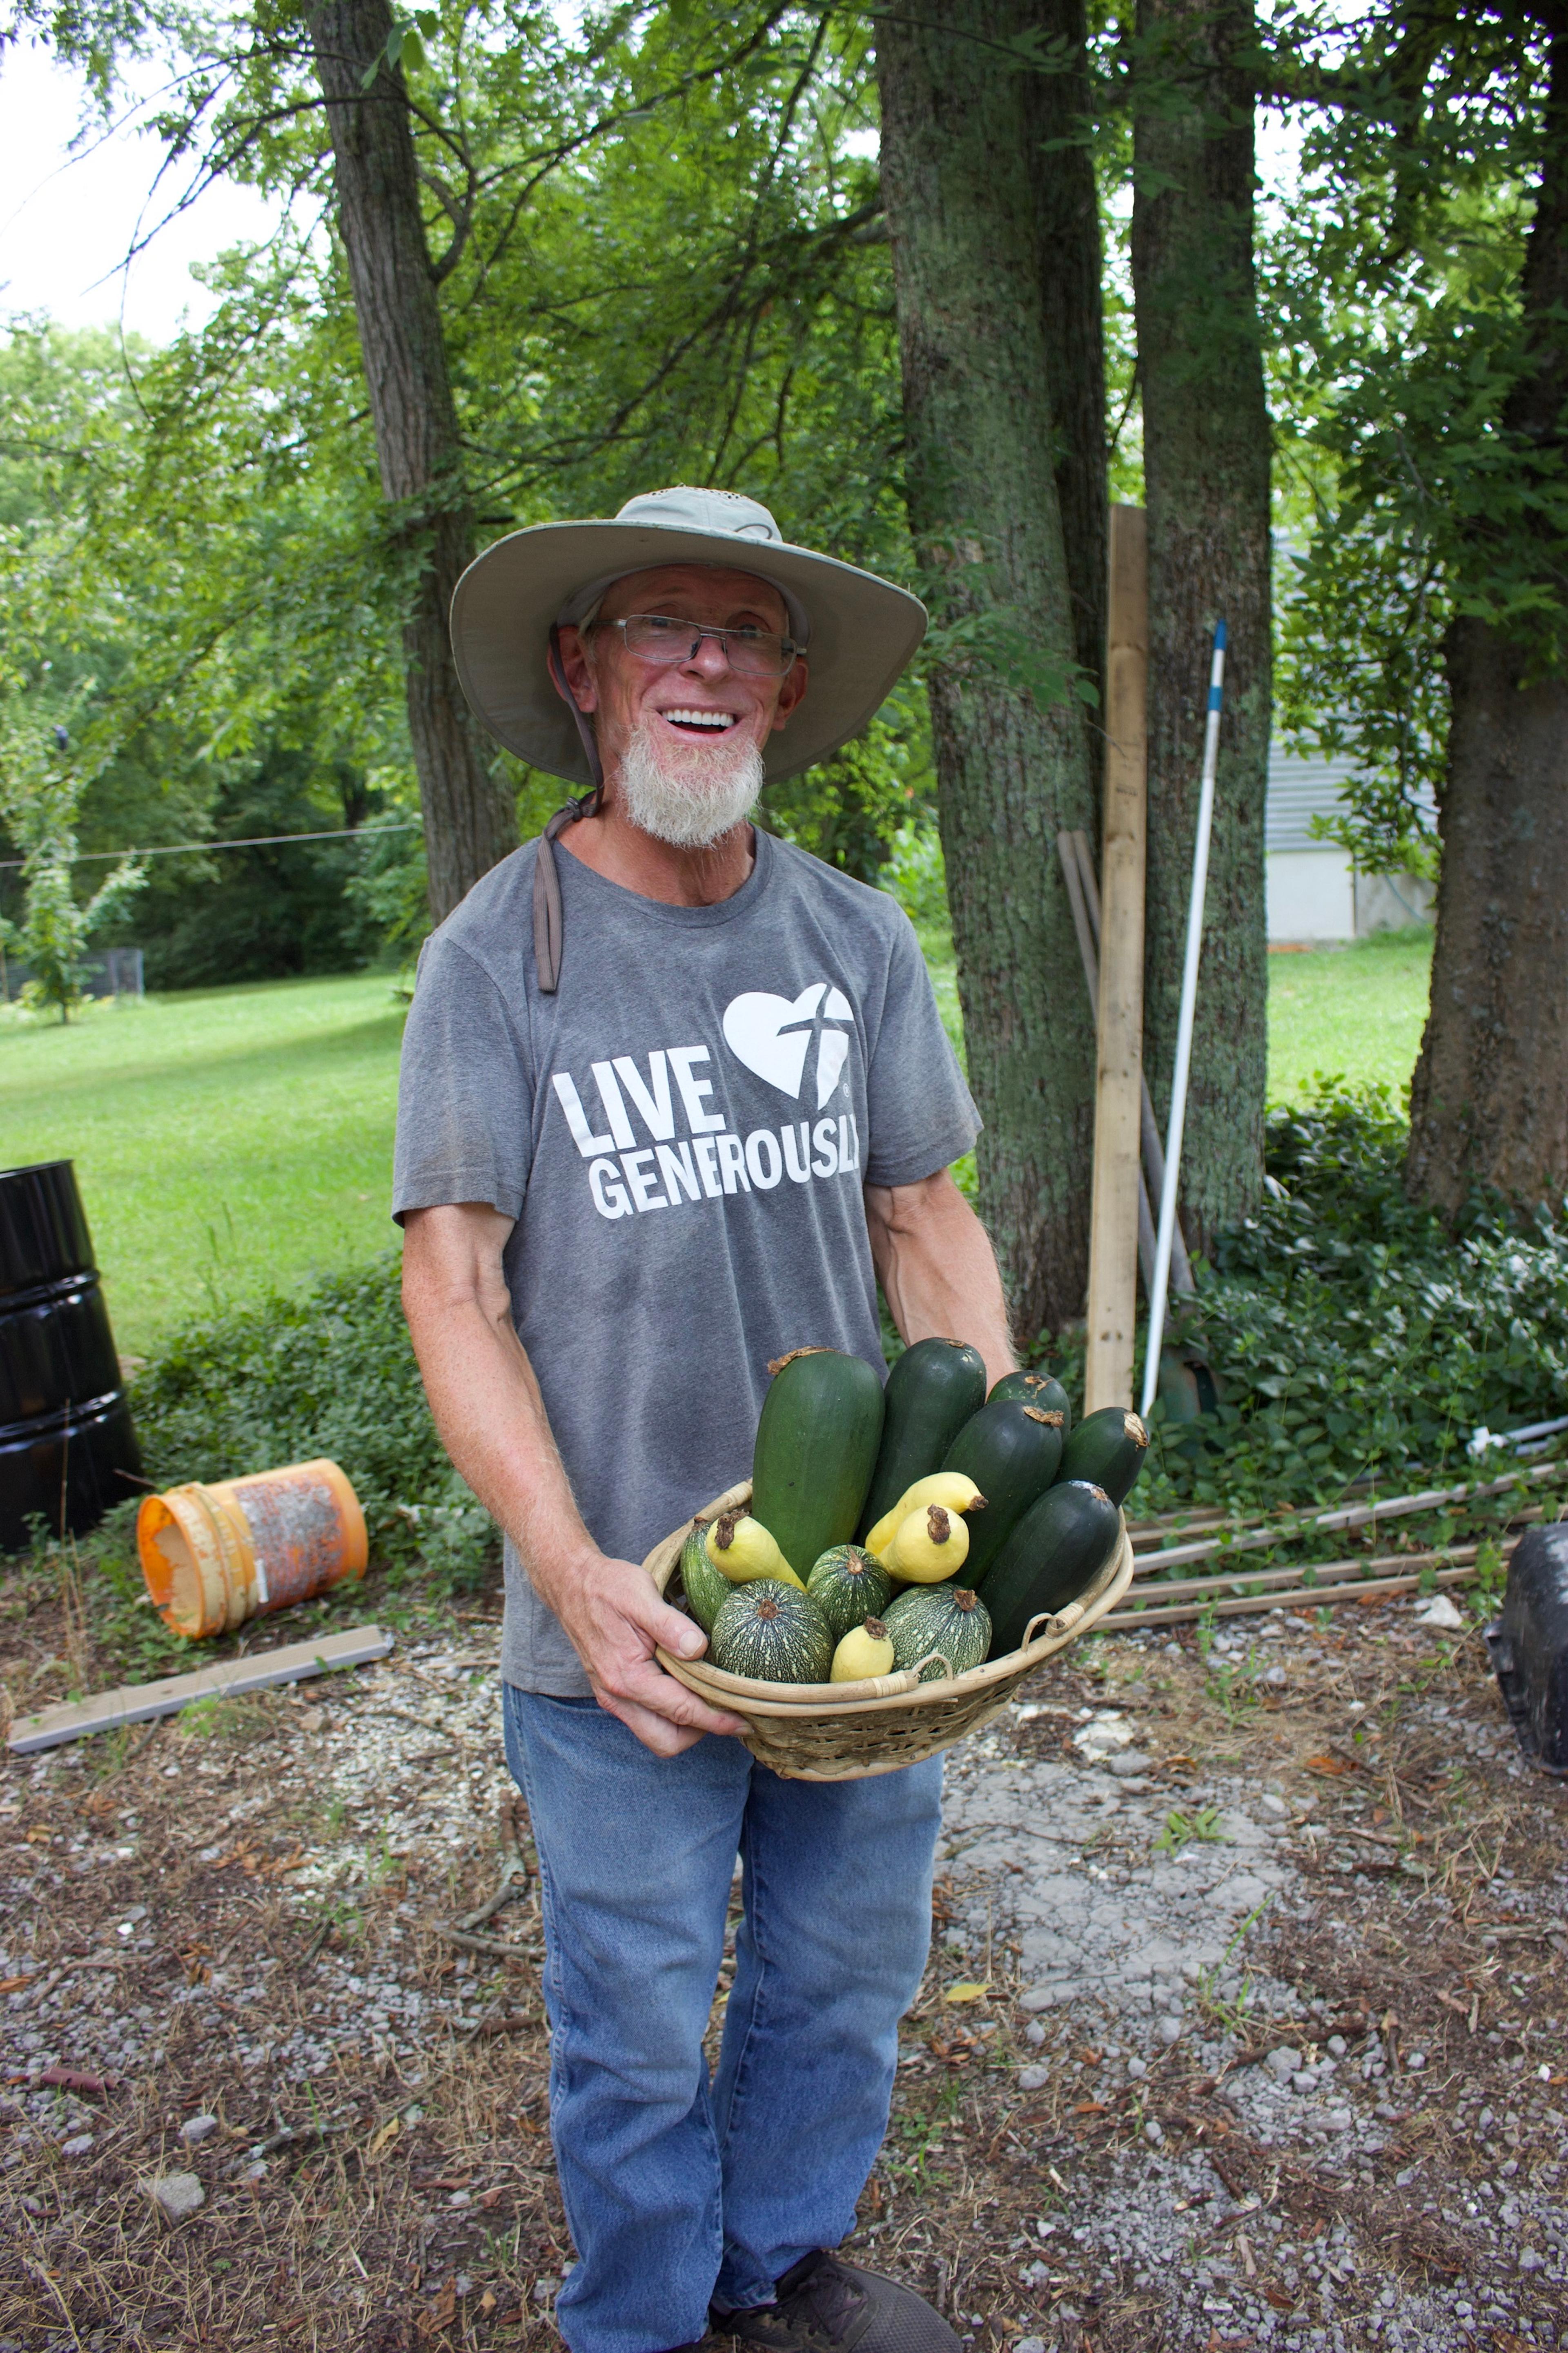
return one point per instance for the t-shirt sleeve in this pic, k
(921, 1112)
(465, 1091)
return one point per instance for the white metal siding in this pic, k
(1310, 895)
(1301, 788)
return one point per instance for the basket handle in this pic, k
(938, 1658)
(1056, 1623)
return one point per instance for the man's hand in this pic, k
(492, 1422)
(614, 1618)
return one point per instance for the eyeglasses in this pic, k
(658, 638)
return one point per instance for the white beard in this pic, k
(688, 799)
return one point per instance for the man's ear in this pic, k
(790, 694)
(578, 669)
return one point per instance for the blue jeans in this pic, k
(680, 2191)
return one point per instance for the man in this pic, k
(673, 1095)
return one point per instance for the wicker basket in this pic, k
(847, 1731)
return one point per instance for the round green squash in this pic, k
(705, 1588)
(849, 1586)
(945, 1617)
(772, 1633)
(1035, 1388)
(1107, 1449)
(815, 1450)
(1057, 1547)
(931, 1391)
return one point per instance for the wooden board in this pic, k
(1083, 890)
(1118, 1102)
(1231, 1540)
(1304, 1596)
(50, 1728)
(1266, 1581)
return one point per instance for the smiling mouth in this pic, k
(701, 723)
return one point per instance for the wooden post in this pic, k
(1114, 1231)
(1153, 1150)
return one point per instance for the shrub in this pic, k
(916, 874)
(1352, 1333)
(328, 1370)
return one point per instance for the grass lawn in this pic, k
(233, 1137)
(222, 1138)
(1357, 1011)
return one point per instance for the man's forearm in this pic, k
(937, 1269)
(487, 1406)
(492, 1422)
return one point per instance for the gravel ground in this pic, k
(1245, 2021)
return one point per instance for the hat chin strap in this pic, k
(548, 926)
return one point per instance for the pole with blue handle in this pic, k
(1183, 1063)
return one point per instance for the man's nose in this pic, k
(709, 658)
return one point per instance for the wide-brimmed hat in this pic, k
(859, 631)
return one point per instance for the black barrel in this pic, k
(67, 1450)
(1529, 1645)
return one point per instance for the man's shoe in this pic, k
(828, 2306)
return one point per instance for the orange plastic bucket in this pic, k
(214, 1556)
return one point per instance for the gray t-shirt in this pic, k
(681, 1134)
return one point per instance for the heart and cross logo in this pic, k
(772, 1036)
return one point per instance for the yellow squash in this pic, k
(866, 1651)
(931, 1546)
(743, 1550)
(950, 1489)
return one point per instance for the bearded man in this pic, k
(674, 1096)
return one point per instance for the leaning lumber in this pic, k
(1225, 1604)
(1348, 1515)
(50, 1728)
(1144, 1533)
(1266, 1581)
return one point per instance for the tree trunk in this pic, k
(1489, 1103)
(1057, 107)
(1206, 462)
(1489, 1100)
(469, 820)
(959, 174)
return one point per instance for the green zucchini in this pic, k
(816, 1451)
(705, 1588)
(848, 1587)
(944, 1617)
(1035, 1388)
(1061, 1542)
(773, 1633)
(1107, 1447)
(1011, 1451)
(931, 1391)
